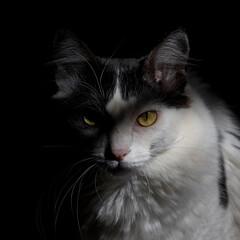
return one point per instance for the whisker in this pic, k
(77, 181)
(194, 148)
(78, 196)
(39, 222)
(176, 141)
(98, 82)
(89, 87)
(59, 203)
(60, 206)
(109, 59)
(95, 183)
(74, 185)
(71, 167)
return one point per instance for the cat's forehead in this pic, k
(128, 88)
(124, 76)
(120, 63)
(117, 105)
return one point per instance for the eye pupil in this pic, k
(147, 115)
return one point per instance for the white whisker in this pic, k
(96, 188)
(78, 196)
(98, 82)
(194, 148)
(109, 59)
(69, 180)
(59, 203)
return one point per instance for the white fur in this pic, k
(232, 158)
(174, 193)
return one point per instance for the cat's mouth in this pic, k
(117, 167)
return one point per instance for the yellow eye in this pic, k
(88, 122)
(147, 119)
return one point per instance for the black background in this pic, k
(214, 42)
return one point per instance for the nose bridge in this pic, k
(121, 139)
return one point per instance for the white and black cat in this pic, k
(163, 153)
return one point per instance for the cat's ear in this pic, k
(165, 66)
(70, 59)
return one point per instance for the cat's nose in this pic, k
(120, 153)
(116, 154)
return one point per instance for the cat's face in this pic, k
(139, 132)
(125, 109)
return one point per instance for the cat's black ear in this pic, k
(70, 58)
(165, 66)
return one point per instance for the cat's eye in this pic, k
(147, 119)
(89, 122)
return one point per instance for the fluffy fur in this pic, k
(178, 179)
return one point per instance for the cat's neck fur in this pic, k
(129, 213)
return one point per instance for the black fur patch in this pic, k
(223, 193)
(132, 84)
(234, 134)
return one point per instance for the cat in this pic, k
(162, 152)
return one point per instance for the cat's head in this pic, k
(124, 108)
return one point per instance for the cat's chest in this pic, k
(136, 207)
(143, 208)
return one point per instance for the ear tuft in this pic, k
(158, 76)
(64, 82)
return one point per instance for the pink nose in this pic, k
(120, 153)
